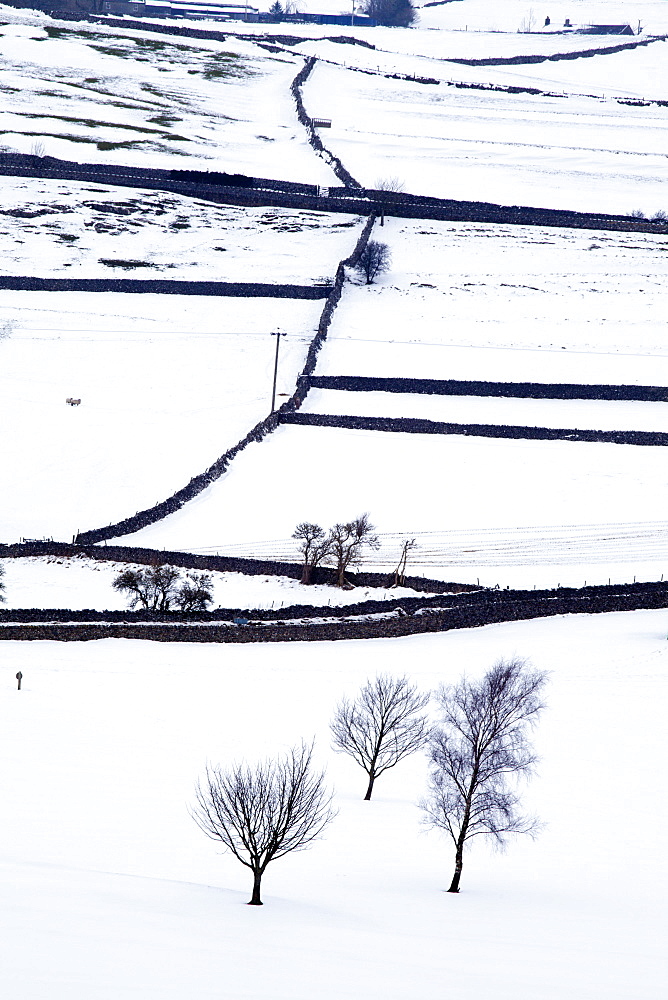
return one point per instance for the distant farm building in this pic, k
(209, 9)
(605, 29)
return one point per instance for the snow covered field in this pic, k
(590, 414)
(86, 584)
(576, 153)
(410, 483)
(636, 72)
(522, 304)
(97, 230)
(95, 94)
(167, 384)
(111, 891)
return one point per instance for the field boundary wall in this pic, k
(263, 192)
(519, 390)
(314, 139)
(393, 620)
(220, 564)
(413, 425)
(159, 286)
(200, 482)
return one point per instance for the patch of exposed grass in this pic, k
(110, 50)
(106, 146)
(126, 265)
(92, 123)
(165, 119)
(49, 135)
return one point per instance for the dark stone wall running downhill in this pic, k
(410, 425)
(519, 390)
(200, 482)
(314, 139)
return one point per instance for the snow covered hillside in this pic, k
(111, 891)
(97, 94)
(552, 152)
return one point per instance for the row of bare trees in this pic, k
(342, 546)
(264, 811)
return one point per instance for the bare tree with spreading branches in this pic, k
(384, 724)
(314, 546)
(386, 188)
(373, 261)
(347, 543)
(482, 743)
(195, 592)
(263, 811)
(161, 588)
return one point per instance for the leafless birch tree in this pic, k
(383, 725)
(263, 811)
(482, 743)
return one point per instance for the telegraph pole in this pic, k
(273, 391)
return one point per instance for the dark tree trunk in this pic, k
(306, 573)
(372, 778)
(459, 864)
(255, 898)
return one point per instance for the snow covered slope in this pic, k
(111, 891)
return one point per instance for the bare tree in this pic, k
(386, 187)
(315, 545)
(482, 743)
(195, 593)
(383, 725)
(159, 588)
(347, 543)
(400, 572)
(261, 812)
(2, 584)
(394, 13)
(373, 261)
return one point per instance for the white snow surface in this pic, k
(577, 153)
(560, 413)
(93, 93)
(49, 227)
(112, 891)
(431, 483)
(86, 584)
(507, 303)
(167, 383)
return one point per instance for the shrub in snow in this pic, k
(394, 13)
(162, 588)
(482, 742)
(373, 261)
(264, 811)
(384, 724)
